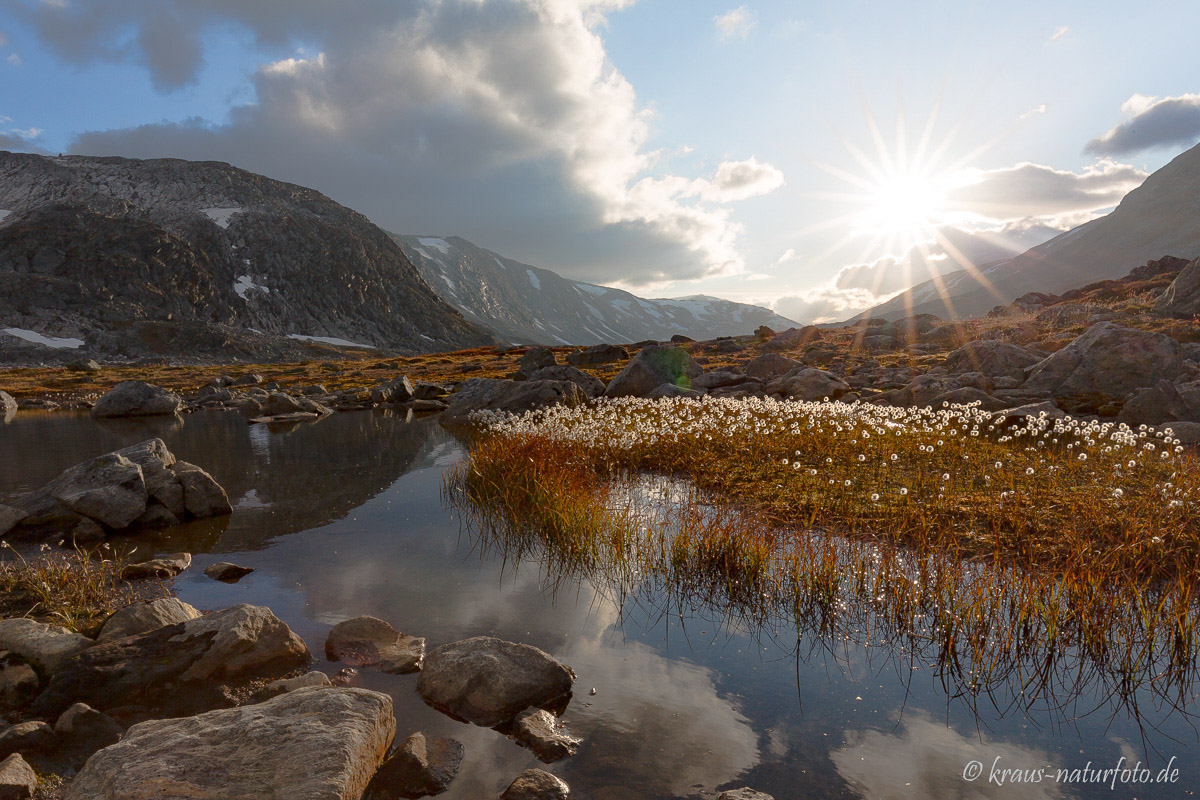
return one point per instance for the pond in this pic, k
(346, 517)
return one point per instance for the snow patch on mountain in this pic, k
(49, 341)
(245, 284)
(221, 216)
(533, 279)
(328, 340)
(437, 244)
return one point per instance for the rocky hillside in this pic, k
(120, 257)
(527, 305)
(1160, 216)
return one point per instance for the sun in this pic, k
(904, 205)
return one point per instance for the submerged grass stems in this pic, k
(1058, 553)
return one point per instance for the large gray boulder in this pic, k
(202, 496)
(1162, 402)
(652, 367)
(1182, 297)
(1110, 361)
(992, 359)
(511, 397)
(770, 366)
(157, 463)
(145, 617)
(137, 399)
(589, 383)
(47, 647)
(181, 668)
(8, 406)
(534, 359)
(371, 642)
(597, 354)
(811, 384)
(489, 681)
(315, 744)
(109, 489)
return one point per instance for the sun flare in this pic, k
(904, 205)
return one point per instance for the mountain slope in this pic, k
(528, 305)
(1160, 217)
(169, 255)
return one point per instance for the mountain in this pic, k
(134, 258)
(1162, 216)
(528, 305)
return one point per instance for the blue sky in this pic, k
(665, 146)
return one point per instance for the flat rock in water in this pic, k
(145, 617)
(421, 766)
(489, 681)
(46, 647)
(225, 571)
(162, 567)
(137, 399)
(17, 779)
(536, 784)
(371, 642)
(311, 744)
(541, 732)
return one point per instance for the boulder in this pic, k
(145, 617)
(19, 683)
(966, 396)
(992, 359)
(536, 784)
(181, 668)
(156, 461)
(794, 338)
(26, 737)
(17, 779)
(252, 379)
(8, 407)
(597, 354)
(489, 681)
(308, 680)
(511, 397)
(227, 572)
(371, 642)
(1182, 297)
(315, 744)
(590, 384)
(82, 730)
(163, 567)
(770, 366)
(670, 390)
(279, 404)
(717, 379)
(46, 647)
(422, 765)
(534, 359)
(541, 732)
(10, 517)
(652, 367)
(137, 399)
(744, 794)
(1162, 402)
(1021, 414)
(400, 390)
(812, 384)
(109, 489)
(1108, 360)
(202, 496)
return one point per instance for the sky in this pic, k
(816, 157)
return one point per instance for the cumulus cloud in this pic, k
(736, 23)
(503, 122)
(1153, 122)
(1026, 189)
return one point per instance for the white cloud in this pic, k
(15, 59)
(739, 180)
(1153, 122)
(1033, 112)
(1059, 33)
(786, 256)
(736, 23)
(26, 133)
(1036, 190)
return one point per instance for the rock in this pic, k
(46, 647)
(82, 730)
(371, 642)
(181, 668)
(652, 367)
(489, 681)
(967, 395)
(512, 397)
(8, 407)
(1021, 414)
(993, 359)
(278, 404)
(1185, 432)
(19, 683)
(597, 354)
(813, 384)
(534, 359)
(17, 779)
(536, 784)
(315, 744)
(155, 516)
(769, 366)
(109, 489)
(308, 680)
(679, 338)
(590, 384)
(253, 379)
(137, 399)
(744, 794)
(1162, 402)
(429, 391)
(10, 517)
(422, 765)
(398, 391)
(212, 393)
(163, 567)
(717, 379)
(202, 496)
(670, 390)
(1182, 297)
(794, 338)
(250, 408)
(541, 732)
(225, 571)
(425, 406)
(26, 737)
(145, 617)
(1108, 360)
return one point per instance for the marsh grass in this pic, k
(1057, 554)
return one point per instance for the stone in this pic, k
(8, 407)
(109, 489)
(137, 399)
(46, 647)
(510, 397)
(670, 390)
(421, 766)
(541, 732)
(597, 354)
(371, 642)
(398, 391)
(769, 366)
(1021, 414)
(142, 618)
(10, 517)
(992, 359)
(967, 395)
(1162, 402)
(252, 379)
(719, 379)
(590, 384)
(315, 744)
(536, 784)
(488, 681)
(163, 567)
(225, 571)
(652, 367)
(155, 516)
(181, 668)
(308, 680)
(19, 683)
(1108, 360)
(17, 779)
(794, 338)
(744, 794)
(813, 384)
(534, 359)
(1182, 297)
(278, 404)
(26, 737)
(82, 730)
(202, 496)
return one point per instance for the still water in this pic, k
(345, 517)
